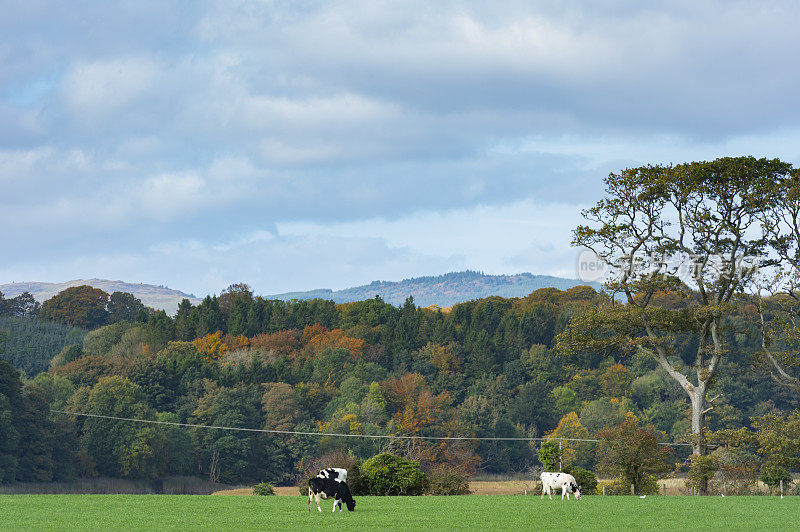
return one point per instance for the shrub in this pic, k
(388, 474)
(615, 486)
(772, 475)
(447, 480)
(264, 488)
(549, 454)
(586, 480)
(702, 471)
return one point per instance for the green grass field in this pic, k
(498, 512)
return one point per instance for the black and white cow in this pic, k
(334, 473)
(325, 488)
(565, 481)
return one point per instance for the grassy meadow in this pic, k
(498, 512)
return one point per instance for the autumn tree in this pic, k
(81, 306)
(696, 227)
(633, 453)
(569, 431)
(211, 346)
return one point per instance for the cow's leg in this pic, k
(318, 506)
(550, 492)
(543, 490)
(310, 495)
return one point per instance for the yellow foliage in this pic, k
(211, 346)
(352, 420)
(570, 427)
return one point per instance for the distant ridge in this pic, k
(158, 297)
(442, 290)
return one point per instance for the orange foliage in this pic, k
(415, 407)
(398, 391)
(336, 339)
(282, 342)
(310, 331)
(419, 412)
(211, 346)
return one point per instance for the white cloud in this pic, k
(96, 88)
(415, 131)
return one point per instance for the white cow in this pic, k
(565, 481)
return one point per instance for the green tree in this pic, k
(123, 306)
(549, 455)
(120, 448)
(10, 387)
(100, 342)
(22, 306)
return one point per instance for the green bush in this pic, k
(772, 475)
(387, 474)
(264, 488)
(585, 479)
(448, 480)
(549, 453)
(702, 471)
(355, 480)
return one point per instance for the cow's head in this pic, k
(576, 490)
(351, 504)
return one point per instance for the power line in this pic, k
(334, 434)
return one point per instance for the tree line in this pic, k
(658, 357)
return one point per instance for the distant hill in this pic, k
(442, 290)
(159, 297)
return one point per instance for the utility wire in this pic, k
(334, 434)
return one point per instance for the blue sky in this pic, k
(298, 145)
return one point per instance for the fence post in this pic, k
(633, 492)
(604, 489)
(560, 453)
(664, 488)
(781, 488)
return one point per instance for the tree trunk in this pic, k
(698, 423)
(698, 398)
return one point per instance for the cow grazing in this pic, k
(334, 473)
(565, 481)
(326, 488)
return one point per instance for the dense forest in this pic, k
(493, 367)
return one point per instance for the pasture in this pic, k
(496, 512)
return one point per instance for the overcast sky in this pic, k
(298, 145)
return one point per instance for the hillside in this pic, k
(442, 290)
(158, 297)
